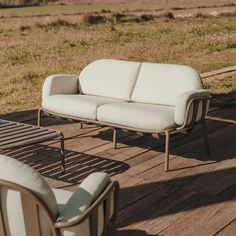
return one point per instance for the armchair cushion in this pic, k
(83, 106)
(182, 101)
(88, 191)
(138, 115)
(85, 195)
(60, 84)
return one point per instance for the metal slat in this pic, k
(94, 223)
(107, 208)
(29, 142)
(2, 226)
(6, 127)
(13, 130)
(31, 216)
(21, 134)
(24, 139)
(15, 134)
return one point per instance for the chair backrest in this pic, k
(162, 83)
(27, 203)
(109, 78)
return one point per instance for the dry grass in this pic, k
(32, 48)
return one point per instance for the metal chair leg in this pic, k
(39, 117)
(114, 138)
(81, 125)
(63, 168)
(167, 151)
(205, 138)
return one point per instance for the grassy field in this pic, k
(31, 48)
(113, 5)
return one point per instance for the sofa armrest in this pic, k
(60, 84)
(184, 115)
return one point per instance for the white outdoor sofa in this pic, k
(29, 207)
(159, 99)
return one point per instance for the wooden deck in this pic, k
(197, 197)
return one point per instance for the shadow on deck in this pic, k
(198, 187)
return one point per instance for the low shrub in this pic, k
(147, 17)
(91, 19)
(56, 24)
(25, 27)
(169, 15)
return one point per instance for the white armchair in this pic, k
(28, 206)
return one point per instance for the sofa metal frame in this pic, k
(31, 204)
(190, 121)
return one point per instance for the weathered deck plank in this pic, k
(197, 197)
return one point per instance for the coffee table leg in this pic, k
(63, 168)
(39, 117)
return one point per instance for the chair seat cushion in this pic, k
(62, 197)
(76, 105)
(146, 117)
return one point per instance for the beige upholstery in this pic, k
(87, 192)
(62, 197)
(162, 83)
(83, 106)
(81, 199)
(14, 171)
(149, 96)
(182, 102)
(60, 84)
(64, 205)
(109, 78)
(138, 115)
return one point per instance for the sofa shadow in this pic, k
(220, 126)
(131, 232)
(46, 160)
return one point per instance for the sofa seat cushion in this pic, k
(76, 105)
(146, 117)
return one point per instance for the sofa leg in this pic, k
(39, 117)
(167, 151)
(114, 138)
(205, 138)
(81, 125)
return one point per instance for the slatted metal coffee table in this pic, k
(15, 134)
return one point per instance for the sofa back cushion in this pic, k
(109, 78)
(162, 83)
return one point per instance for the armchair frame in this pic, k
(31, 204)
(190, 121)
